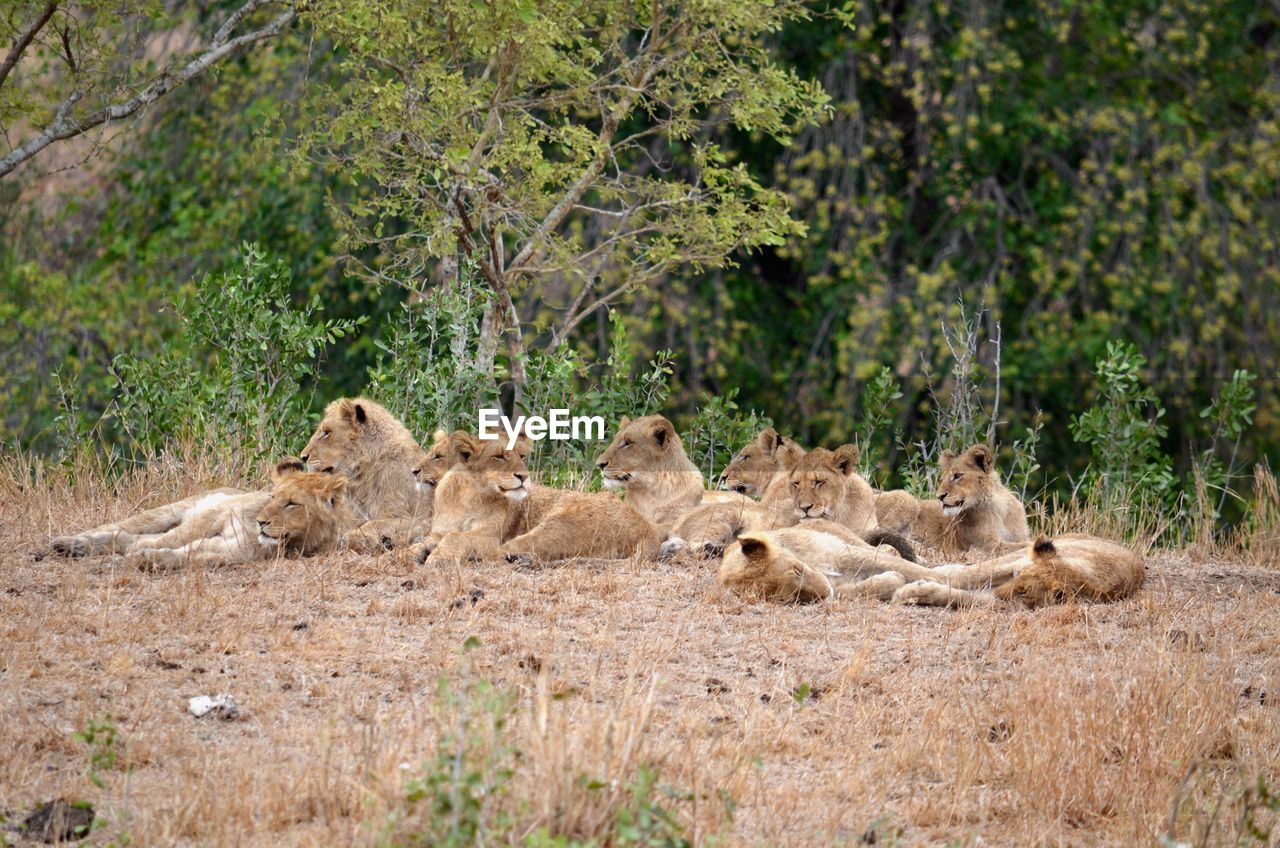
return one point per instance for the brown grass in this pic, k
(1068, 726)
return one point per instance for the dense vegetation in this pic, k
(1052, 224)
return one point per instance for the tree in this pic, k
(75, 66)
(537, 140)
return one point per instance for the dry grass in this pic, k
(1068, 726)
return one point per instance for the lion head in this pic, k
(820, 479)
(753, 468)
(308, 510)
(755, 566)
(967, 480)
(641, 448)
(427, 473)
(488, 461)
(355, 432)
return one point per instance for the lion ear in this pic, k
(524, 444)
(947, 456)
(981, 456)
(623, 422)
(288, 466)
(846, 458)
(770, 440)
(337, 488)
(663, 431)
(754, 547)
(438, 436)
(462, 446)
(1043, 548)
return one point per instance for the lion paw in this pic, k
(71, 546)
(520, 561)
(671, 548)
(922, 593)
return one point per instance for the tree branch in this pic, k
(63, 128)
(25, 37)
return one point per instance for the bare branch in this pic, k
(25, 37)
(63, 127)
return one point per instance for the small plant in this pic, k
(1123, 431)
(717, 430)
(429, 373)
(879, 401)
(100, 737)
(1229, 415)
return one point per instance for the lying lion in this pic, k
(817, 561)
(303, 513)
(647, 462)
(973, 511)
(487, 508)
(1047, 572)
(762, 465)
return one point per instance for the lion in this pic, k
(814, 562)
(647, 462)
(1049, 571)
(303, 513)
(823, 484)
(973, 511)
(364, 442)
(763, 462)
(487, 508)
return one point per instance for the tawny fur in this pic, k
(487, 508)
(1071, 567)
(814, 562)
(303, 513)
(363, 441)
(763, 462)
(974, 510)
(822, 484)
(646, 460)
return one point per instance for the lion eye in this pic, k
(290, 505)
(817, 484)
(627, 444)
(794, 484)
(324, 434)
(957, 477)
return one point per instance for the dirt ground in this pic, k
(840, 723)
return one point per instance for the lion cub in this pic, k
(1048, 572)
(647, 462)
(823, 484)
(813, 563)
(487, 508)
(303, 513)
(761, 465)
(973, 511)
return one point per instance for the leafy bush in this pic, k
(1123, 431)
(242, 371)
(427, 372)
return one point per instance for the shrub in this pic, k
(240, 374)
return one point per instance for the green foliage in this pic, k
(427, 371)
(718, 430)
(459, 799)
(1230, 415)
(241, 371)
(879, 404)
(1123, 430)
(100, 737)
